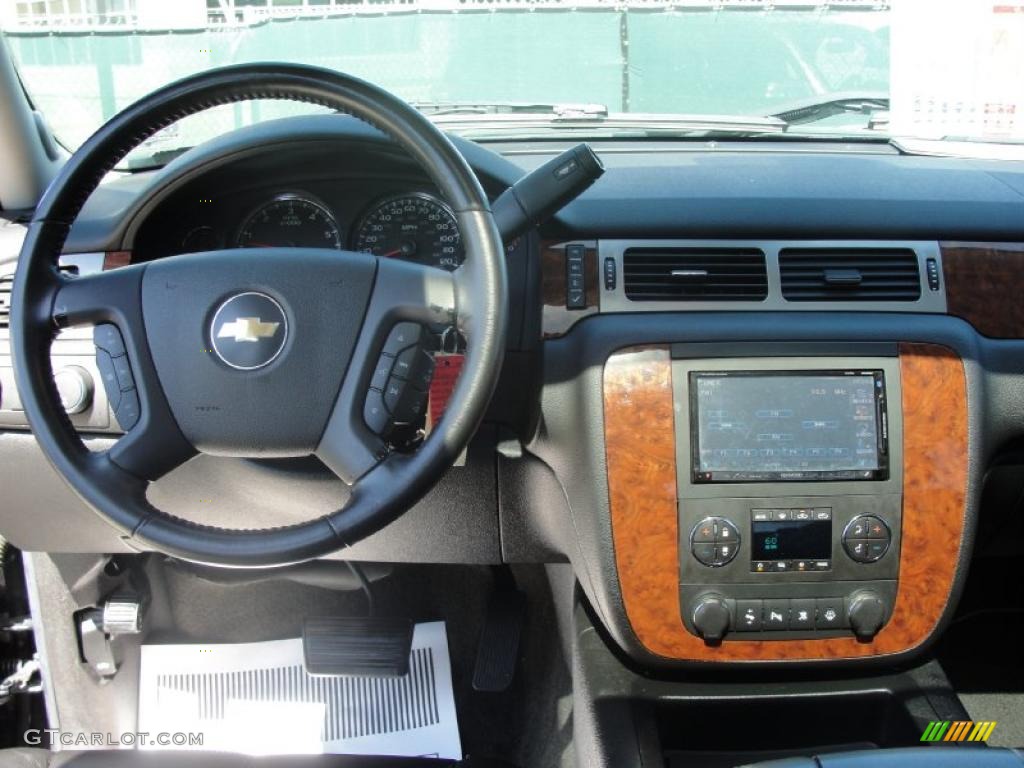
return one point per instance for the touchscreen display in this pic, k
(788, 426)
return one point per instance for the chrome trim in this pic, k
(38, 635)
(931, 302)
(214, 337)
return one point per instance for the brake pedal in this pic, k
(372, 646)
(499, 641)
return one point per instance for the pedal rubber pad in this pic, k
(369, 647)
(499, 641)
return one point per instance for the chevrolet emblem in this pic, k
(247, 329)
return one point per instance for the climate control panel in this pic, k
(787, 568)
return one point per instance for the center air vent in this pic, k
(695, 274)
(5, 299)
(849, 274)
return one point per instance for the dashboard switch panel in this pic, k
(575, 289)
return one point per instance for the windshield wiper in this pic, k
(818, 109)
(511, 117)
(566, 109)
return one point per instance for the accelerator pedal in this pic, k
(499, 641)
(372, 646)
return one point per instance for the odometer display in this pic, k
(415, 227)
(290, 221)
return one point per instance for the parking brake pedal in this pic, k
(99, 628)
(373, 646)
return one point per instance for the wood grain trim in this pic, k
(640, 445)
(984, 283)
(556, 319)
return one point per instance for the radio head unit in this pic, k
(788, 426)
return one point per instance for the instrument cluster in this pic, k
(413, 226)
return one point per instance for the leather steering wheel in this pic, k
(325, 316)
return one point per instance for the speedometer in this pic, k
(290, 221)
(415, 227)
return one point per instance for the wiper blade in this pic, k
(157, 159)
(818, 109)
(436, 108)
(569, 120)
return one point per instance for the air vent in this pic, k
(695, 274)
(849, 274)
(5, 299)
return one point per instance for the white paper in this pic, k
(256, 698)
(957, 69)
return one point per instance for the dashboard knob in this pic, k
(75, 387)
(712, 618)
(867, 614)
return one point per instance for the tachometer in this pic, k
(290, 221)
(415, 227)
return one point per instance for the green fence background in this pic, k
(704, 62)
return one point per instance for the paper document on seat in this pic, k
(256, 698)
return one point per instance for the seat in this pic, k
(127, 758)
(910, 757)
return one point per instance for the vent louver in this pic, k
(849, 274)
(6, 281)
(695, 274)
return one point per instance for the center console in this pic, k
(789, 474)
(790, 501)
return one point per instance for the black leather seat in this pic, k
(911, 757)
(41, 758)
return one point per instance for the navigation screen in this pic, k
(753, 427)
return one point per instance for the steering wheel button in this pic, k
(393, 393)
(374, 413)
(403, 335)
(379, 380)
(423, 371)
(108, 337)
(109, 378)
(405, 363)
(410, 406)
(127, 411)
(123, 371)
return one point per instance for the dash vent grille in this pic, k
(695, 274)
(849, 274)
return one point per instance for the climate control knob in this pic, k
(867, 614)
(712, 618)
(74, 385)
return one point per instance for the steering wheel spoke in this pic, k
(388, 377)
(111, 301)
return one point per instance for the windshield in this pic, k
(495, 69)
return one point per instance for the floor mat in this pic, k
(256, 698)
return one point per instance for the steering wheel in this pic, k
(265, 352)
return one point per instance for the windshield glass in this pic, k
(494, 69)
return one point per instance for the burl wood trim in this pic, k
(640, 444)
(556, 319)
(984, 284)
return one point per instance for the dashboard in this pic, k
(750, 393)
